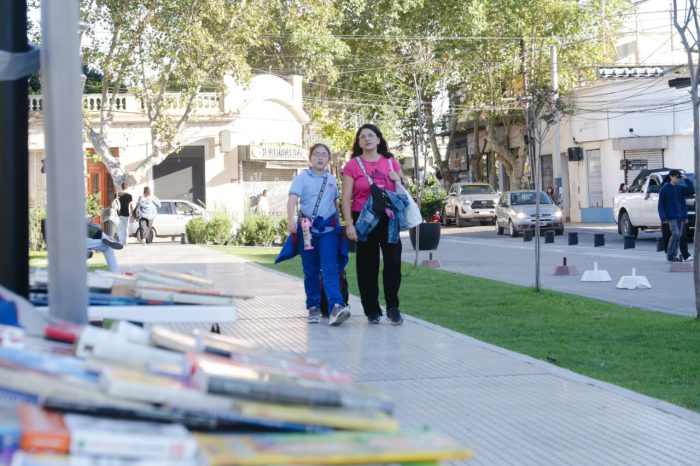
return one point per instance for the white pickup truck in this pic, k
(636, 209)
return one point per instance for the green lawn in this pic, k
(649, 352)
(40, 259)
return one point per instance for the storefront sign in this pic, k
(267, 152)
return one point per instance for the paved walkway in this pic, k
(509, 408)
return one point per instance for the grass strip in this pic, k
(649, 352)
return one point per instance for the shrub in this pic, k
(257, 230)
(196, 230)
(218, 230)
(433, 200)
(282, 231)
(36, 239)
(93, 207)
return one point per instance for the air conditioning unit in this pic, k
(575, 154)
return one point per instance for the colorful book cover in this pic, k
(10, 428)
(49, 362)
(97, 436)
(330, 448)
(42, 431)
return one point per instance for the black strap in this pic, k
(320, 194)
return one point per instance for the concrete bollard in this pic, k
(660, 245)
(598, 240)
(548, 236)
(629, 242)
(573, 238)
(527, 235)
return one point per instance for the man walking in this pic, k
(673, 210)
(125, 210)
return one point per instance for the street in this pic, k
(478, 251)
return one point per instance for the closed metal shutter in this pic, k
(257, 177)
(654, 158)
(181, 176)
(253, 172)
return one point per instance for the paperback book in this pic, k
(96, 436)
(330, 448)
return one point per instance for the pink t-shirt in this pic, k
(379, 171)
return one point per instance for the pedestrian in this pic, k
(550, 193)
(98, 241)
(264, 203)
(126, 209)
(673, 210)
(372, 161)
(315, 192)
(148, 209)
(666, 235)
(622, 188)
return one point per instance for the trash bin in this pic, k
(573, 238)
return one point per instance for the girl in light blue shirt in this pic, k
(315, 191)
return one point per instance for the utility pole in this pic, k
(14, 153)
(556, 143)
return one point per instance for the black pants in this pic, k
(666, 236)
(367, 263)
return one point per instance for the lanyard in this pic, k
(320, 194)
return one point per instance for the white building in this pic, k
(235, 145)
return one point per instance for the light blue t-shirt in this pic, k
(307, 185)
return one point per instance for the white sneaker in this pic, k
(339, 314)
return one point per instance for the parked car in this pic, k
(173, 216)
(516, 211)
(470, 202)
(637, 209)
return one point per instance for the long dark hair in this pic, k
(381, 147)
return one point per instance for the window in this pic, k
(165, 208)
(182, 208)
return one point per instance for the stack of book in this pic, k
(137, 396)
(149, 286)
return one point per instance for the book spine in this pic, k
(84, 442)
(272, 392)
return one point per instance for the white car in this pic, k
(173, 216)
(470, 202)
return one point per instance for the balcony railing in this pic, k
(206, 103)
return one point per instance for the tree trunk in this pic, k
(513, 158)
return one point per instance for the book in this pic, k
(181, 296)
(329, 416)
(329, 448)
(165, 277)
(218, 376)
(244, 353)
(139, 386)
(42, 431)
(105, 345)
(10, 428)
(218, 412)
(51, 363)
(95, 436)
(22, 458)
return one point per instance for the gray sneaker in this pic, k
(339, 314)
(314, 315)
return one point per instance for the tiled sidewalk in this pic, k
(509, 408)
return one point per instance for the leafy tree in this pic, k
(154, 46)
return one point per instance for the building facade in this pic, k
(234, 146)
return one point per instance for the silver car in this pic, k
(516, 212)
(173, 215)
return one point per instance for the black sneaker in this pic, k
(394, 315)
(373, 319)
(674, 259)
(112, 243)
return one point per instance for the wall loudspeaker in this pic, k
(575, 154)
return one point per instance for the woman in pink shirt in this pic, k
(384, 170)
